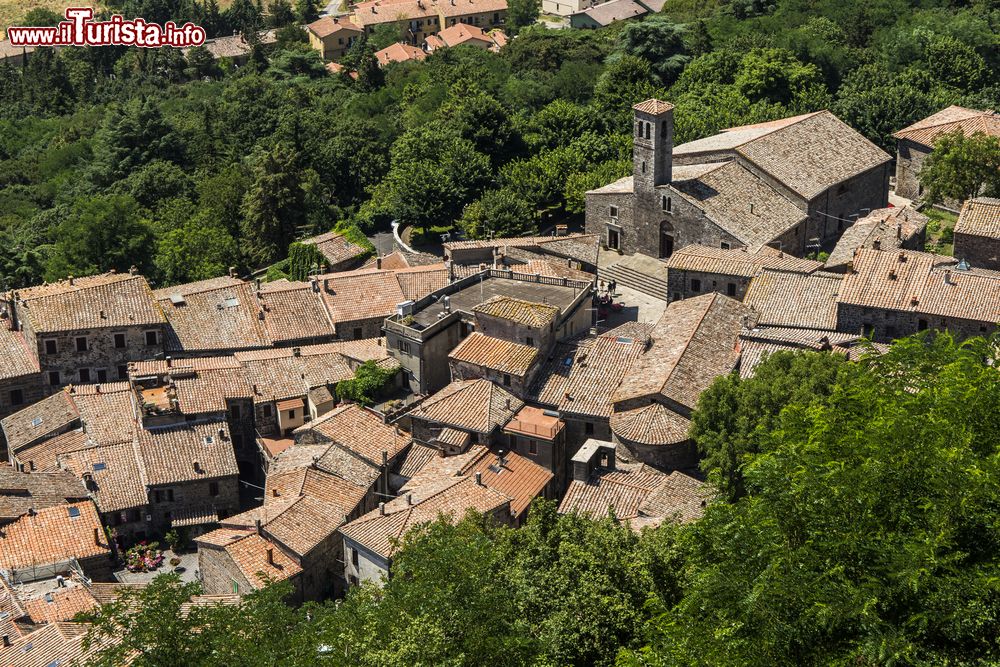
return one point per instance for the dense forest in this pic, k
(111, 157)
(856, 524)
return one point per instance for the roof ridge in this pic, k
(690, 337)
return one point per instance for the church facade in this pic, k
(794, 184)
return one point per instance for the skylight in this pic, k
(37, 421)
(73, 512)
(99, 466)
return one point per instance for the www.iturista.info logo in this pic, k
(80, 30)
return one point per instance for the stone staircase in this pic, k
(641, 273)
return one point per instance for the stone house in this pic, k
(234, 48)
(694, 342)
(21, 380)
(88, 329)
(580, 376)
(509, 473)
(371, 541)
(339, 254)
(25, 492)
(977, 233)
(636, 493)
(696, 269)
(604, 14)
(885, 229)
(502, 362)
(398, 53)
(357, 302)
(332, 36)
(419, 19)
(238, 561)
(420, 335)
(915, 142)
(792, 184)
(14, 55)
(540, 437)
(462, 412)
(460, 34)
(890, 295)
(794, 300)
(47, 542)
(211, 317)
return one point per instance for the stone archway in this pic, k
(666, 239)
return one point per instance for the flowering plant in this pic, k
(143, 557)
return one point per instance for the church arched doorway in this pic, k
(666, 239)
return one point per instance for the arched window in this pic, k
(644, 166)
(647, 129)
(663, 128)
(665, 203)
(669, 205)
(638, 129)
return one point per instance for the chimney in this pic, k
(256, 526)
(197, 467)
(877, 244)
(97, 536)
(274, 493)
(326, 286)
(314, 282)
(409, 498)
(70, 279)
(260, 314)
(296, 351)
(132, 270)
(378, 262)
(6, 640)
(947, 277)
(168, 360)
(270, 555)
(479, 479)
(381, 509)
(899, 232)
(232, 271)
(258, 284)
(97, 389)
(103, 315)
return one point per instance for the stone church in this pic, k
(793, 184)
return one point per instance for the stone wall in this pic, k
(831, 213)
(515, 384)
(681, 284)
(541, 339)
(362, 565)
(218, 572)
(597, 219)
(980, 251)
(665, 457)
(910, 158)
(101, 358)
(192, 495)
(17, 393)
(886, 325)
(358, 329)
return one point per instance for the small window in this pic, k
(726, 246)
(152, 338)
(84, 375)
(267, 410)
(731, 289)
(506, 380)
(157, 496)
(648, 125)
(170, 495)
(354, 558)
(53, 377)
(532, 447)
(644, 166)
(102, 375)
(529, 341)
(16, 397)
(613, 210)
(921, 325)
(51, 347)
(213, 488)
(291, 414)
(588, 428)
(119, 341)
(695, 285)
(357, 333)
(81, 343)
(123, 372)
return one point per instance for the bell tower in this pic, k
(652, 146)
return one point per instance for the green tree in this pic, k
(736, 417)
(280, 13)
(101, 233)
(521, 13)
(961, 167)
(199, 249)
(132, 136)
(659, 42)
(274, 206)
(368, 383)
(498, 213)
(306, 10)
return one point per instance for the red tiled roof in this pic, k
(495, 353)
(980, 217)
(470, 405)
(92, 302)
(968, 121)
(53, 535)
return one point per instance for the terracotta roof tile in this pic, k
(452, 497)
(329, 25)
(300, 524)
(531, 314)
(17, 358)
(886, 228)
(293, 311)
(622, 490)
(22, 491)
(333, 246)
(607, 13)
(496, 354)
(694, 342)
(918, 282)
(92, 302)
(250, 556)
(980, 217)
(707, 259)
(61, 604)
(680, 497)
(397, 53)
(470, 405)
(116, 472)
(107, 410)
(42, 457)
(342, 495)
(361, 430)
(54, 643)
(53, 535)
(653, 106)
(653, 424)
(332, 458)
(968, 121)
(169, 454)
(794, 300)
(217, 318)
(47, 416)
(415, 458)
